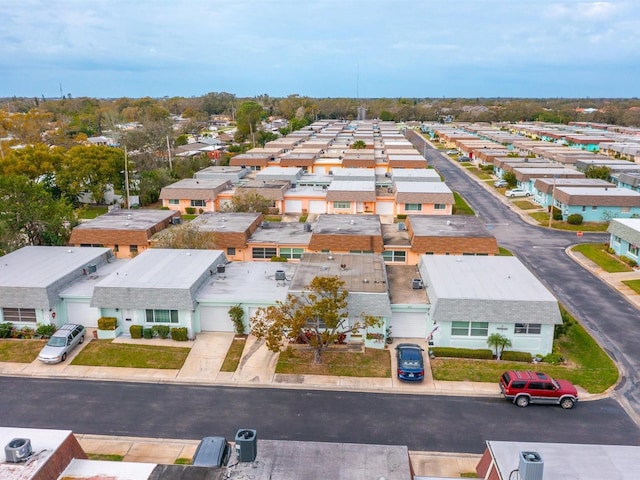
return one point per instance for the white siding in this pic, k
(215, 319)
(409, 324)
(384, 208)
(293, 206)
(82, 313)
(317, 206)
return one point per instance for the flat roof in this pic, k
(599, 191)
(132, 220)
(281, 233)
(448, 226)
(353, 172)
(482, 278)
(39, 266)
(339, 224)
(401, 291)
(197, 183)
(393, 236)
(225, 222)
(411, 174)
(426, 187)
(353, 185)
(571, 461)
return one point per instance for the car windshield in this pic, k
(57, 341)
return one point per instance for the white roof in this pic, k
(426, 187)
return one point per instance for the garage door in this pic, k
(293, 206)
(409, 325)
(82, 314)
(384, 208)
(215, 319)
(317, 206)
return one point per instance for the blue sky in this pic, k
(320, 48)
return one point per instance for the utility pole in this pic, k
(553, 191)
(169, 151)
(126, 177)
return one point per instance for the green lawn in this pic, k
(597, 253)
(543, 219)
(104, 353)
(586, 364)
(20, 350)
(481, 174)
(89, 212)
(461, 207)
(186, 217)
(234, 354)
(371, 363)
(504, 252)
(104, 456)
(525, 204)
(633, 285)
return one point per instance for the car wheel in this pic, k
(527, 194)
(64, 357)
(567, 403)
(522, 401)
(82, 339)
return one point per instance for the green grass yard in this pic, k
(597, 253)
(104, 353)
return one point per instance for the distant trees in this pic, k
(248, 201)
(248, 118)
(186, 235)
(598, 171)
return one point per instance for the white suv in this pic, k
(517, 192)
(61, 343)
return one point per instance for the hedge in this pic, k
(162, 331)
(179, 334)
(5, 329)
(107, 323)
(135, 331)
(147, 333)
(515, 356)
(483, 353)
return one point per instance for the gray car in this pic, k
(61, 343)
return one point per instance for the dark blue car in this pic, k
(410, 362)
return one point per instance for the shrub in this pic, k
(46, 330)
(107, 323)
(179, 334)
(147, 333)
(190, 210)
(574, 219)
(553, 358)
(164, 208)
(279, 259)
(402, 216)
(303, 218)
(567, 323)
(514, 356)
(135, 331)
(5, 330)
(237, 316)
(629, 261)
(557, 213)
(480, 353)
(162, 330)
(26, 332)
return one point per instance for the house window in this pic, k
(291, 252)
(616, 240)
(413, 207)
(360, 252)
(174, 201)
(584, 208)
(198, 203)
(527, 328)
(633, 250)
(341, 204)
(133, 248)
(116, 248)
(470, 329)
(162, 316)
(439, 206)
(396, 256)
(263, 252)
(231, 250)
(594, 208)
(19, 315)
(625, 209)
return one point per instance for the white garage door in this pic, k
(215, 319)
(409, 325)
(292, 206)
(317, 206)
(384, 208)
(82, 314)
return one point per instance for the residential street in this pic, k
(602, 310)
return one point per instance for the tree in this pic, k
(248, 201)
(358, 145)
(186, 235)
(151, 182)
(31, 216)
(598, 171)
(236, 313)
(318, 316)
(264, 137)
(248, 118)
(498, 341)
(510, 178)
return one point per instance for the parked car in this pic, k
(452, 152)
(517, 192)
(410, 362)
(523, 387)
(500, 183)
(65, 339)
(464, 158)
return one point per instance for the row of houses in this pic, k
(456, 301)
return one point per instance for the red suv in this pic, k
(525, 387)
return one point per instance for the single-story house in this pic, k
(597, 204)
(428, 198)
(544, 188)
(625, 237)
(201, 195)
(473, 297)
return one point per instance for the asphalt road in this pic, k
(422, 422)
(602, 310)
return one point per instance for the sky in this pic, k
(320, 48)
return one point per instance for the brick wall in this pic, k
(345, 243)
(454, 245)
(59, 460)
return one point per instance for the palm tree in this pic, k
(498, 341)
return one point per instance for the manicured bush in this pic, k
(574, 219)
(190, 210)
(402, 216)
(162, 331)
(279, 259)
(514, 356)
(303, 218)
(5, 329)
(179, 334)
(46, 330)
(480, 353)
(107, 323)
(135, 331)
(147, 333)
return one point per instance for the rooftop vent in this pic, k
(265, 224)
(176, 220)
(220, 268)
(280, 275)
(307, 227)
(91, 268)
(416, 284)
(18, 450)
